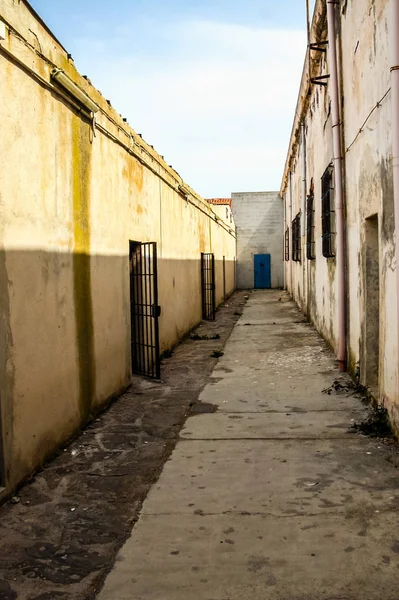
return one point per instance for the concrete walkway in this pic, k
(269, 497)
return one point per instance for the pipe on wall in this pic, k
(395, 134)
(303, 136)
(285, 229)
(290, 238)
(308, 20)
(337, 159)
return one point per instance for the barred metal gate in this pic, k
(208, 286)
(144, 309)
(224, 279)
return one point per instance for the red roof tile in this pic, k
(219, 201)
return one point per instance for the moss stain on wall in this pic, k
(7, 370)
(81, 155)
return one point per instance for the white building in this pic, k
(340, 229)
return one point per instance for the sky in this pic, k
(211, 84)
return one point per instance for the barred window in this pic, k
(328, 213)
(287, 244)
(310, 241)
(296, 238)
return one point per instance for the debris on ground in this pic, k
(339, 386)
(376, 424)
(348, 387)
(195, 336)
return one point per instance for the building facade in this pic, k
(259, 221)
(223, 208)
(80, 192)
(338, 194)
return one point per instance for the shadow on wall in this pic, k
(66, 339)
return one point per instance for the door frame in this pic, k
(267, 254)
(208, 287)
(144, 309)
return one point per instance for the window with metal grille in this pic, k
(310, 241)
(296, 238)
(328, 213)
(287, 244)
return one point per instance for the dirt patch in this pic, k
(61, 539)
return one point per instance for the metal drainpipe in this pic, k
(290, 238)
(308, 25)
(303, 178)
(285, 229)
(303, 213)
(395, 134)
(337, 157)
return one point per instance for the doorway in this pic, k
(262, 271)
(371, 351)
(224, 279)
(2, 455)
(144, 309)
(208, 285)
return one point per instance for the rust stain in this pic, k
(202, 236)
(133, 172)
(139, 209)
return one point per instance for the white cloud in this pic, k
(216, 99)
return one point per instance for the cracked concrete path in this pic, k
(270, 496)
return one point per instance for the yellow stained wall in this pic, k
(70, 200)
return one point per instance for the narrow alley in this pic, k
(268, 494)
(199, 347)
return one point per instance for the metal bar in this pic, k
(202, 285)
(151, 317)
(224, 278)
(213, 288)
(141, 340)
(153, 311)
(132, 315)
(146, 318)
(156, 322)
(319, 46)
(136, 316)
(209, 276)
(137, 313)
(319, 80)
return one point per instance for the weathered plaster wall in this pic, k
(312, 282)
(364, 30)
(259, 220)
(224, 212)
(366, 33)
(70, 201)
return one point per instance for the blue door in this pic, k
(262, 271)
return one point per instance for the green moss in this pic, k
(81, 265)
